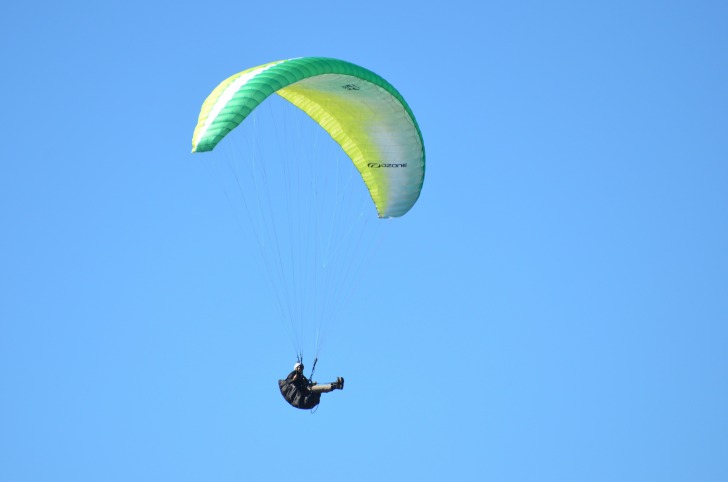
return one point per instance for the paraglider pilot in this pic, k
(302, 393)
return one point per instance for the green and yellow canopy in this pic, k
(361, 111)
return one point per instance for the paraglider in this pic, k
(376, 130)
(302, 393)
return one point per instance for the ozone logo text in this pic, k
(376, 165)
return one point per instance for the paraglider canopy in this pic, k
(361, 111)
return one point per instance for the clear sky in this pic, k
(554, 308)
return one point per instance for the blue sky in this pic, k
(559, 313)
